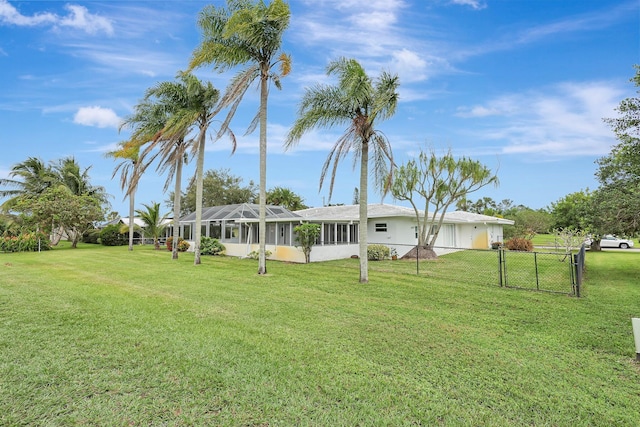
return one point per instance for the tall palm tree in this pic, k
(247, 32)
(154, 222)
(130, 168)
(196, 106)
(148, 122)
(359, 103)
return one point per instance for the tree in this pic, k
(285, 197)
(247, 33)
(528, 222)
(618, 198)
(130, 168)
(163, 119)
(220, 187)
(307, 234)
(75, 213)
(360, 103)
(623, 163)
(173, 110)
(438, 182)
(573, 211)
(35, 179)
(154, 222)
(32, 177)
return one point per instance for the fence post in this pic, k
(500, 266)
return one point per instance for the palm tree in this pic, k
(285, 197)
(154, 222)
(247, 33)
(196, 104)
(359, 103)
(148, 122)
(130, 168)
(76, 179)
(30, 177)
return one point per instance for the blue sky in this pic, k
(520, 85)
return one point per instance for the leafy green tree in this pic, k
(306, 235)
(437, 183)
(73, 213)
(617, 200)
(35, 180)
(154, 223)
(528, 222)
(359, 103)
(247, 32)
(220, 187)
(285, 197)
(574, 211)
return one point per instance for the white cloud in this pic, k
(97, 116)
(10, 15)
(475, 4)
(78, 18)
(564, 120)
(409, 66)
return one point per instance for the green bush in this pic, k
(91, 236)
(183, 245)
(519, 244)
(111, 236)
(256, 254)
(377, 252)
(211, 246)
(25, 242)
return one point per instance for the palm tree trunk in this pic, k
(199, 175)
(262, 233)
(131, 213)
(362, 226)
(176, 208)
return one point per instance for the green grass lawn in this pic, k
(101, 336)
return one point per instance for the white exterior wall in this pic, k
(400, 234)
(475, 236)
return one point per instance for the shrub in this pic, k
(256, 254)
(25, 242)
(91, 236)
(183, 245)
(519, 244)
(111, 236)
(211, 246)
(377, 252)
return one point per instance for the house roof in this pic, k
(352, 213)
(248, 212)
(240, 211)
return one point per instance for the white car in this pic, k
(609, 241)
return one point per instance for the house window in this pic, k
(342, 236)
(381, 227)
(353, 231)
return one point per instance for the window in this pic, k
(353, 231)
(381, 227)
(342, 236)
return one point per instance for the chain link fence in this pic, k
(557, 272)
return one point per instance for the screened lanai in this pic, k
(229, 224)
(236, 226)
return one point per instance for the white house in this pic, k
(236, 226)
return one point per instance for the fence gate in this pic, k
(543, 271)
